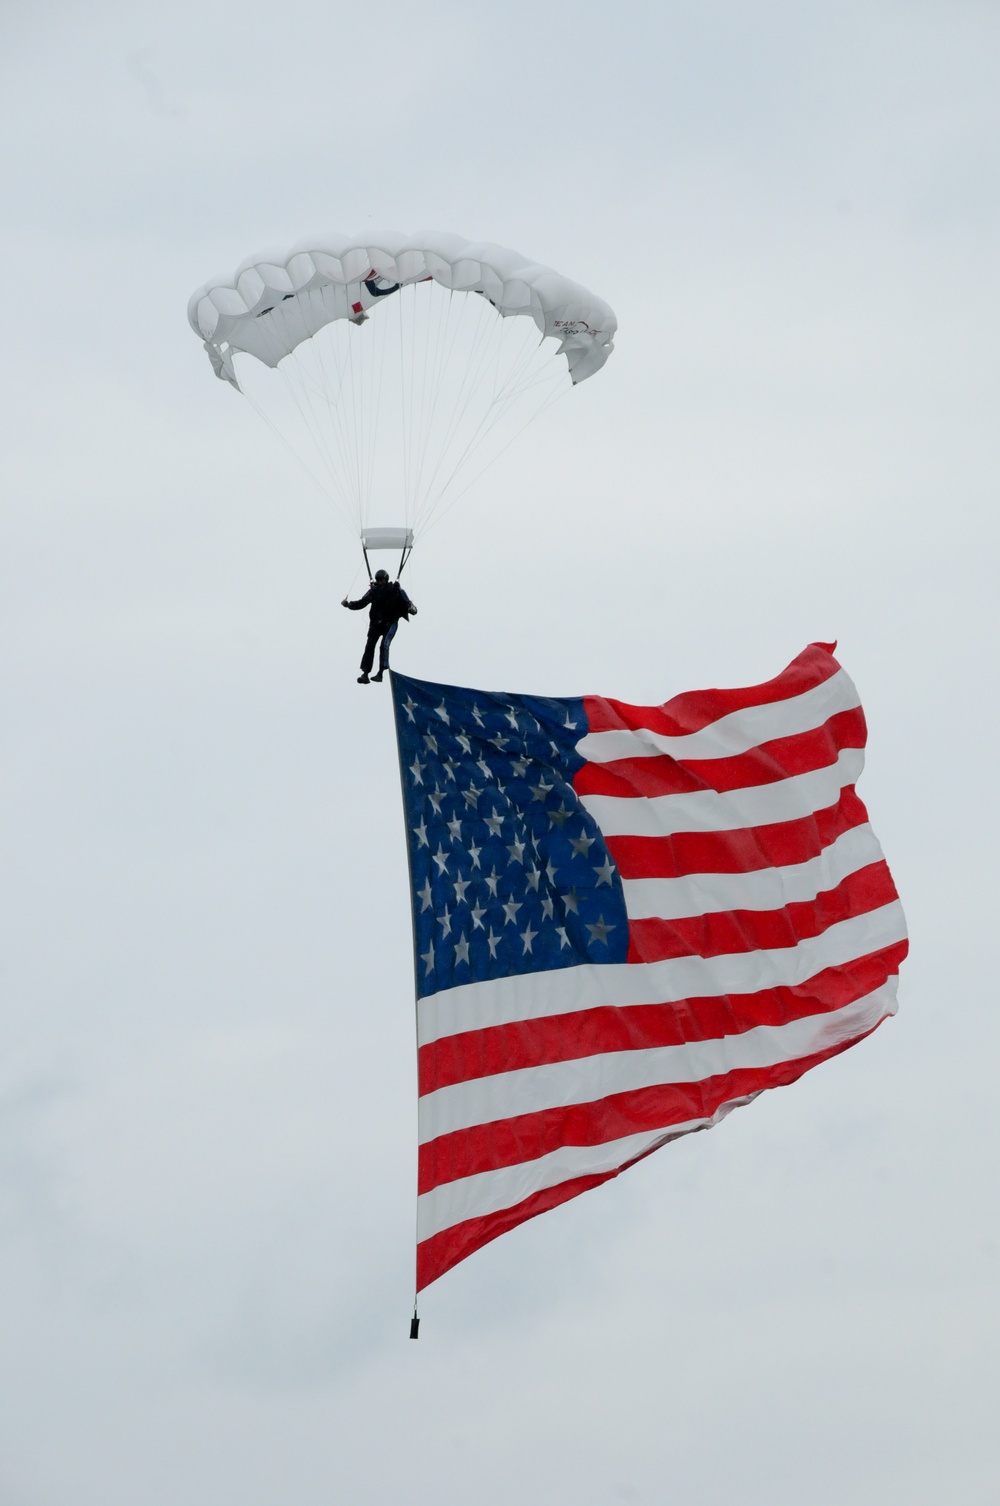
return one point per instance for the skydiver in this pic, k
(389, 603)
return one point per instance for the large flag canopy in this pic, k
(628, 921)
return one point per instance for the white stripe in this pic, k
(733, 734)
(698, 894)
(588, 1079)
(709, 810)
(492, 1191)
(534, 996)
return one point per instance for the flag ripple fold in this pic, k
(628, 920)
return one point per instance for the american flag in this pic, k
(627, 921)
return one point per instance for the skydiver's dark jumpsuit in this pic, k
(388, 602)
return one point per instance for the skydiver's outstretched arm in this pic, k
(363, 601)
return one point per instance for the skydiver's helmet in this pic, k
(382, 575)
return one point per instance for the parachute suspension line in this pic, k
(448, 329)
(334, 399)
(294, 376)
(385, 333)
(405, 407)
(554, 397)
(303, 389)
(483, 335)
(358, 354)
(369, 435)
(319, 485)
(431, 344)
(505, 334)
(512, 387)
(298, 391)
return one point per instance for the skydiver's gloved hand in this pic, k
(344, 602)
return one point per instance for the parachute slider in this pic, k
(387, 538)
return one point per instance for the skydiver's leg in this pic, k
(368, 657)
(383, 660)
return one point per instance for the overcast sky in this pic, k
(207, 1075)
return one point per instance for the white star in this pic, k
(528, 937)
(417, 769)
(460, 886)
(563, 938)
(436, 798)
(491, 883)
(556, 750)
(441, 859)
(464, 743)
(430, 741)
(424, 895)
(499, 742)
(455, 827)
(520, 767)
(533, 875)
(482, 764)
(605, 873)
(444, 921)
(427, 958)
(409, 706)
(494, 823)
(421, 833)
(442, 713)
(510, 910)
(550, 872)
(491, 942)
(547, 907)
(474, 855)
(472, 795)
(475, 713)
(582, 844)
(559, 817)
(511, 717)
(477, 912)
(541, 789)
(569, 901)
(449, 767)
(461, 951)
(570, 725)
(516, 850)
(600, 931)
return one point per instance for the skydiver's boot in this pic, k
(378, 676)
(362, 679)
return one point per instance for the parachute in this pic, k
(398, 368)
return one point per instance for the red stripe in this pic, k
(509, 1142)
(696, 709)
(766, 764)
(595, 1032)
(439, 1253)
(724, 932)
(777, 845)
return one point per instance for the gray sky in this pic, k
(207, 1078)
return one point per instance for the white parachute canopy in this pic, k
(399, 367)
